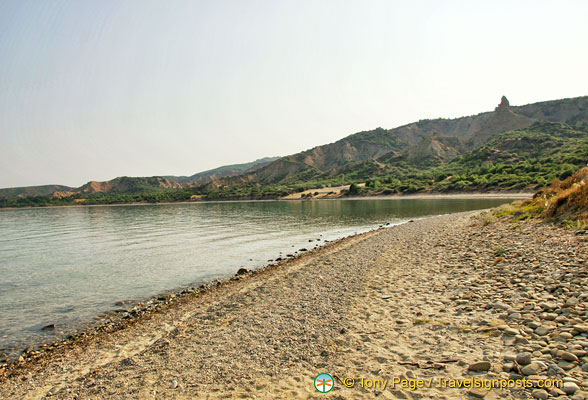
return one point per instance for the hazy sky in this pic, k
(91, 90)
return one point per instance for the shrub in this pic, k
(354, 189)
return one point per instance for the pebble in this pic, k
(515, 315)
(511, 332)
(480, 366)
(533, 325)
(555, 392)
(566, 335)
(568, 356)
(542, 330)
(173, 384)
(500, 306)
(524, 358)
(570, 387)
(48, 327)
(572, 301)
(531, 369)
(478, 393)
(540, 394)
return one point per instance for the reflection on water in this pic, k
(66, 265)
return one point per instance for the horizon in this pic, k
(94, 91)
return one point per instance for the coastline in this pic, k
(480, 195)
(446, 296)
(46, 353)
(132, 312)
(122, 304)
(493, 195)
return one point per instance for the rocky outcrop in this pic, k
(504, 105)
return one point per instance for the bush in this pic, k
(354, 189)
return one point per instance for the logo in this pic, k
(323, 383)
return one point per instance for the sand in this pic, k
(422, 301)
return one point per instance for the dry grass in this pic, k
(564, 202)
(567, 200)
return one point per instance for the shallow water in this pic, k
(66, 265)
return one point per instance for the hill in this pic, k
(127, 184)
(430, 141)
(33, 190)
(215, 174)
(521, 159)
(573, 112)
(518, 160)
(133, 185)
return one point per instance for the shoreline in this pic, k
(416, 196)
(131, 312)
(151, 308)
(454, 296)
(421, 196)
(121, 307)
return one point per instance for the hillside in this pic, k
(431, 141)
(573, 112)
(127, 184)
(428, 151)
(515, 160)
(518, 160)
(215, 174)
(33, 190)
(543, 143)
(132, 185)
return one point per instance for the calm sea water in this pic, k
(65, 266)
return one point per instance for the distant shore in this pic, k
(431, 298)
(480, 195)
(493, 195)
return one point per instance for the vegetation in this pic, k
(171, 195)
(563, 202)
(524, 159)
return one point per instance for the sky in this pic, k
(92, 90)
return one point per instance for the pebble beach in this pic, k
(414, 311)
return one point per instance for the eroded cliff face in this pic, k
(128, 185)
